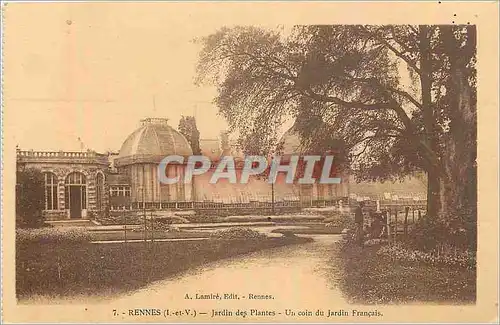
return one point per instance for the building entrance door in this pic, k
(75, 203)
(76, 194)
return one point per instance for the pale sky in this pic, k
(92, 70)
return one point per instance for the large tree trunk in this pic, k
(452, 184)
(434, 192)
(433, 172)
(459, 182)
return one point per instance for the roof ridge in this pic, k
(156, 137)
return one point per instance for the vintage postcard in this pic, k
(250, 162)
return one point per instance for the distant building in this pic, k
(79, 184)
(413, 188)
(140, 155)
(75, 182)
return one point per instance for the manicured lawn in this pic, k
(316, 229)
(81, 268)
(276, 218)
(134, 235)
(366, 278)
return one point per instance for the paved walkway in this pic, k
(296, 277)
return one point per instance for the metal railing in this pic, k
(213, 205)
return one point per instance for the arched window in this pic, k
(99, 190)
(50, 191)
(76, 180)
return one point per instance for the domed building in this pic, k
(140, 156)
(82, 184)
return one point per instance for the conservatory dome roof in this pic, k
(152, 142)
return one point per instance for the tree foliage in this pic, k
(320, 71)
(188, 128)
(30, 197)
(401, 98)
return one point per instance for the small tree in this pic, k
(187, 127)
(30, 197)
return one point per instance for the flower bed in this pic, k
(337, 220)
(203, 218)
(52, 235)
(128, 219)
(165, 225)
(383, 274)
(450, 257)
(237, 233)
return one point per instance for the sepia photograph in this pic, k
(210, 162)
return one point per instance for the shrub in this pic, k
(159, 225)
(375, 241)
(52, 235)
(202, 218)
(30, 198)
(237, 233)
(338, 220)
(288, 234)
(155, 225)
(91, 215)
(449, 256)
(128, 219)
(171, 219)
(348, 241)
(431, 233)
(245, 218)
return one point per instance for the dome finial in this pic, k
(154, 120)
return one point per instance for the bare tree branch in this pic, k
(395, 51)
